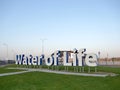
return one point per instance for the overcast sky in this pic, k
(66, 24)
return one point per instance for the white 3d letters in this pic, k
(65, 60)
(56, 56)
(49, 61)
(91, 60)
(79, 58)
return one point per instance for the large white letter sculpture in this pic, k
(79, 59)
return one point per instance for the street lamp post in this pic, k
(43, 45)
(99, 57)
(13, 54)
(7, 49)
(0, 51)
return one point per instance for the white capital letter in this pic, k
(91, 60)
(65, 60)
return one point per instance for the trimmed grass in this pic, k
(48, 81)
(5, 70)
(109, 69)
(71, 68)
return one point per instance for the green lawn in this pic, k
(5, 70)
(48, 81)
(71, 68)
